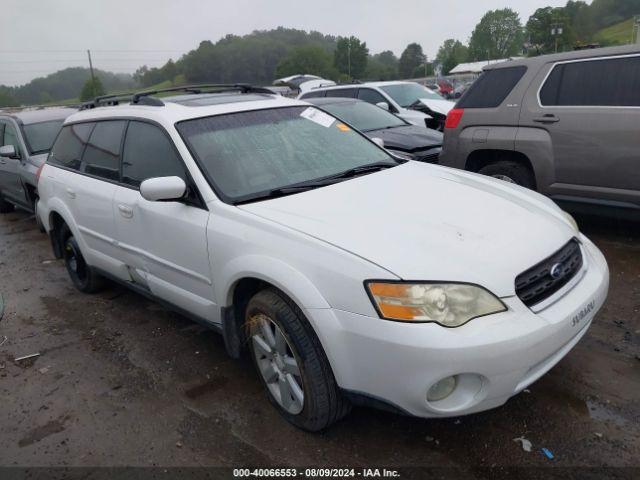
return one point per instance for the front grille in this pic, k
(550, 275)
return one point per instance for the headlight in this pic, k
(448, 304)
(571, 220)
(402, 155)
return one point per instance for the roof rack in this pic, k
(146, 98)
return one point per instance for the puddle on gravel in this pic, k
(602, 413)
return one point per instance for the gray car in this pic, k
(566, 125)
(26, 137)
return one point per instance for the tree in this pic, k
(450, 54)
(91, 89)
(350, 56)
(410, 60)
(382, 66)
(498, 35)
(310, 59)
(6, 98)
(540, 28)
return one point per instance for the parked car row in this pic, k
(349, 273)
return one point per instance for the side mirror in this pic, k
(383, 105)
(163, 188)
(8, 151)
(378, 141)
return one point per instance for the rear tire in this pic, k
(84, 278)
(291, 363)
(6, 207)
(512, 172)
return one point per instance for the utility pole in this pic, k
(426, 62)
(349, 55)
(556, 31)
(93, 78)
(635, 34)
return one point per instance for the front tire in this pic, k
(84, 278)
(511, 172)
(291, 363)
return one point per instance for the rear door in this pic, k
(163, 243)
(590, 110)
(11, 184)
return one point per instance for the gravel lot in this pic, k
(121, 381)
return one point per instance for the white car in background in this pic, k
(409, 100)
(351, 276)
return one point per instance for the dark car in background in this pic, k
(566, 125)
(400, 137)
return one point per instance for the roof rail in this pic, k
(146, 98)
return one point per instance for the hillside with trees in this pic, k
(264, 55)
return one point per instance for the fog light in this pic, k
(442, 389)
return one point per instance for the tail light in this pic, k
(453, 118)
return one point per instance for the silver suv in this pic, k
(26, 137)
(566, 125)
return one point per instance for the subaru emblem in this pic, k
(556, 271)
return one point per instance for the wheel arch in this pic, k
(479, 159)
(248, 275)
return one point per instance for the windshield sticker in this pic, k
(342, 127)
(318, 117)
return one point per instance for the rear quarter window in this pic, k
(68, 147)
(613, 82)
(491, 89)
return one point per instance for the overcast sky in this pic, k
(38, 37)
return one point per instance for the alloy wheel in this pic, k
(277, 363)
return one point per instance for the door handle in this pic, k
(548, 118)
(71, 193)
(126, 212)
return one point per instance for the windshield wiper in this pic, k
(370, 168)
(321, 182)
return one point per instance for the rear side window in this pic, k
(342, 93)
(148, 153)
(68, 147)
(313, 95)
(370, 96)
(613, 82)
(102, 154)
(493, 86)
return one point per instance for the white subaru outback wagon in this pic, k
(350, 276)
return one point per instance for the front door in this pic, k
(11, 184)
(164, 243)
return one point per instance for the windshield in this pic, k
(247, 154)
(406, 94)
(40, 136)
(364, 116)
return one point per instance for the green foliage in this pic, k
(382, 66)
(65, 84)
(618, 34)
(251, 58)
(350, 56)
(411, 59)
(91, 89)
(498, 35)
(310, 59)
(451, 53)
(6, 98)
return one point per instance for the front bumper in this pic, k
(493, 357)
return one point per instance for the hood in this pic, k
(408, 138)
(438, 106)
(425, 222)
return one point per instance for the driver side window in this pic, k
(10, 136)
(148, 153)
